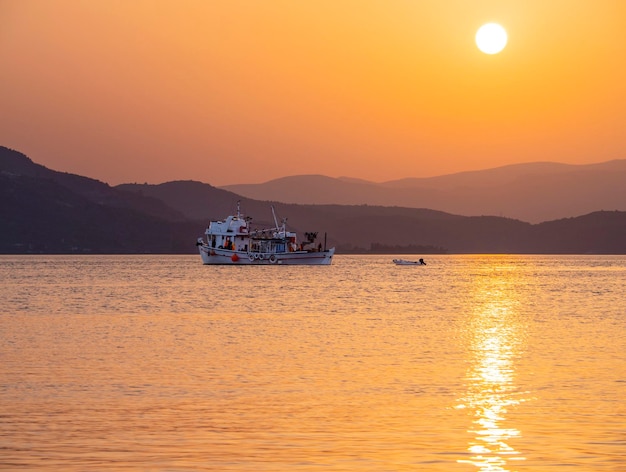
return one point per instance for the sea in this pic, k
(159, 363)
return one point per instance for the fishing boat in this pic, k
(405, 262)
(232, 241)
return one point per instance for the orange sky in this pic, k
(235, 91)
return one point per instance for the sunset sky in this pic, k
(233, 91)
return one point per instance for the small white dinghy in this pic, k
(405, 262)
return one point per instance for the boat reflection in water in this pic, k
(495, 335)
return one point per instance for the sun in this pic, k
(491, 38)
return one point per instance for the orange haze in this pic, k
(246, 91)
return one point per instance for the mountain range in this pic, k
(47, 211)
(532, 192)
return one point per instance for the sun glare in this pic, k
(491, 38)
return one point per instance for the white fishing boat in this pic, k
(405, 262)
(232, 241)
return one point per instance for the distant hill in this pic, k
(359, 228)
(45, 211)
(195, 200)
(532, 192)
(16, 164)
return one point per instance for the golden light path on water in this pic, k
(495, 337)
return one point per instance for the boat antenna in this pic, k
(238, 212)
(274, 215)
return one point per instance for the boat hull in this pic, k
(218, 256)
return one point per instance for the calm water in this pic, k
(488, 363)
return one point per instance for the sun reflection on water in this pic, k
(494, 339)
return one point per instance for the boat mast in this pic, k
(281, 229)
(274, 215)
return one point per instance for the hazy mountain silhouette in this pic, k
(359, 228)
(44, 211)
(532, 192)
(14, 163)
